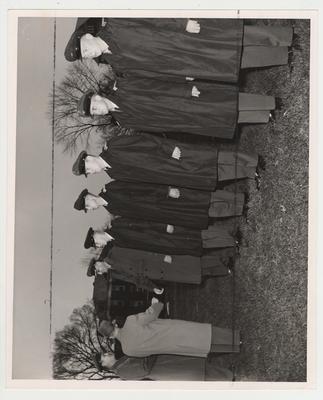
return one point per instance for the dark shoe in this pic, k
(296, 42)
(279, 103)
(272, 116)
(232, 368)
(245, 213)
(258, 181)
(238, 237)
(245, 208)
(246, 194)
(231, 265)
(290, 61)
(261, 163)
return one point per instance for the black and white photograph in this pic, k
(161, 197)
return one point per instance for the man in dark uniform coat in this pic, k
(149, 158)
(164, 367)
(100, 295)
(144, 266)
(201, 48)
(160, 238)
(156, 106)
(99, 270)
(161, 203)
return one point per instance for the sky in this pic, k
(70, 286)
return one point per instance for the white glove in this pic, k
(174, 193)
(158, 291)
(170, 228)
(176, 153)
(168, 259)
(195, 92)
(192, 26)
(154, 300)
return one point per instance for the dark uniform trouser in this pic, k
(222, 340)
(225, 204)
(255, 108)
(236, 165)
(216, 237)
(265, 46)
(216, 263)
(216, 373)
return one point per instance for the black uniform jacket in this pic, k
(156, 106)
(164, 46)
(153, 236)
(148, 158)
(152, 202)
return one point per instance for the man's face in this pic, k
(91, 202)
(98, 105)
(92, 165)
(102, 267)
(89, 47)
(100, 239)
(108, 359)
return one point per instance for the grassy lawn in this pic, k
(271, 273)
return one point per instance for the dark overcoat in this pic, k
(161, 368)
(152, 202)
(164, 46)
(148, 158)
(155, 266)
(157, 106)
(100, 295)
(153, 236)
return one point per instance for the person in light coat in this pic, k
(145, 334)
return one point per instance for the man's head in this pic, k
(89, 240)
(91, 104)
(80, 201)
(91, 269)
(84, 104)
(87, 201)
(86, 165)
(99, 267)
(106, 328)
(102, 267)
(89, 46)
(96, 239)
(73, 47)
(105, 361)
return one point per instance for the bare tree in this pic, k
(76, 345)
(71, 129)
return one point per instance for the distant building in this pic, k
(117, 298)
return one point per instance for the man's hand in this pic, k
(195, 92)
(115, 86)
(168, 259)
(170, 228)
(154, 300)
(192, 26)
(176, 153)
(109, 223)
(174, 193)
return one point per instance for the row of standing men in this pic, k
(182, 78)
